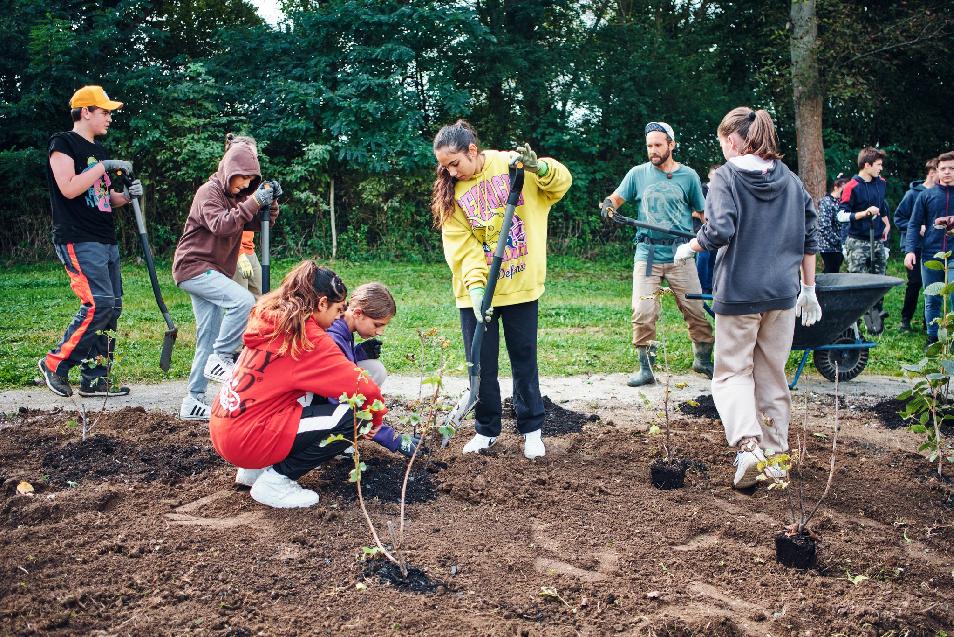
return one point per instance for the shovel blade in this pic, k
(467, 401)
(168, 341)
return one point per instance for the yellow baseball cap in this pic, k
(93, 96)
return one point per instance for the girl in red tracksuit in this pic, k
(273, 414)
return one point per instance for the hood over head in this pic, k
(240, 159)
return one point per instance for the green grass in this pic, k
(584, 319)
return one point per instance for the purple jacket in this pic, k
(344, 337)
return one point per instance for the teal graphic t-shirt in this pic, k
(664, 202)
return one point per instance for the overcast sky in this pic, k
(268, 9)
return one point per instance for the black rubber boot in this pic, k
(645, 374)
(702, 359)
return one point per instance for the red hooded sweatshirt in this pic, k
(256, 414)
(213, 230)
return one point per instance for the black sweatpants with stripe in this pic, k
(319, 419)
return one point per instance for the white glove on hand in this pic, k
(245, 266)
(135, 188)
(807, 306)
(683, 252)
(476, 298)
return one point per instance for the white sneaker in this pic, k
(193, 409)
(533, 445)
(746, 466)
(479, 443)
(218, 368)
(281, 492)
(247, 477)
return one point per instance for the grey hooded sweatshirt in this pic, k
(762, 224)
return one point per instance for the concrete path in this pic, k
(593, 391)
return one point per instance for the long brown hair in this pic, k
(375, 300)
(456, 137)
(296, 299)
(756, 129)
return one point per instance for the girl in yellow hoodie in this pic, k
(468, 201)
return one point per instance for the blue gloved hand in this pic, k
(398, 443)
(264, 195)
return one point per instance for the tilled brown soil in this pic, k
(140, 531)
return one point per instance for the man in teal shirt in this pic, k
(666, 194)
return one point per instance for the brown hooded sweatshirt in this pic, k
(213, 230)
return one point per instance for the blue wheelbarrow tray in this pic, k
(844, 298)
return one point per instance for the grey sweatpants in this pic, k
(213, 293)
(749, 386)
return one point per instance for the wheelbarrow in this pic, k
(835, 341)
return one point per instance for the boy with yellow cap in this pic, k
(84, 237)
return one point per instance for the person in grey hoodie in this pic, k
(762, 221)
(205, 261)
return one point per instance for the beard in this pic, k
(660, 159)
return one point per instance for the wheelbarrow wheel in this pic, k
(850, 362)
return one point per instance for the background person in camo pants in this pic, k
(864, 208)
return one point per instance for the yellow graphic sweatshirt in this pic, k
(470, 234)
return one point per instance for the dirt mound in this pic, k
(558, 421)
(702, 406)
(383, 477)
(102, 457)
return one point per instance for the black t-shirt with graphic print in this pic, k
(88, 216)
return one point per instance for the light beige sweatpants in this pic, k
(749, 386)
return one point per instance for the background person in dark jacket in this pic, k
(864, 208)
(901, 217)
(933, 209)
(830, 230)
(762, 221)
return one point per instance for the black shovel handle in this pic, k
(628, 221)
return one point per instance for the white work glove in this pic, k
(476, 298)
(683, 252)
(245, 266)
(807, 306)
(135, 188)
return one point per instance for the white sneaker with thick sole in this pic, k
(193, 409)
(533, 445)
(281, 492)
(218, 369)
(479, 443)
(247, 477)
(747, 466)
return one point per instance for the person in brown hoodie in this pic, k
(205, 261)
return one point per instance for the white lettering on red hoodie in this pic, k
(255, 417)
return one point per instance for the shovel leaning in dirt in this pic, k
(469, 399)
(169, 338)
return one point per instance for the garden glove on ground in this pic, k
(476, 298)
(135, 188)
(371, 348)
(245, 266)
(531, 164)
(263, 196)
(112, 165)
(807, 306)
(683, 252)
(607, 208)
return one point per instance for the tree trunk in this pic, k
(807, 92)
(334, 231)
